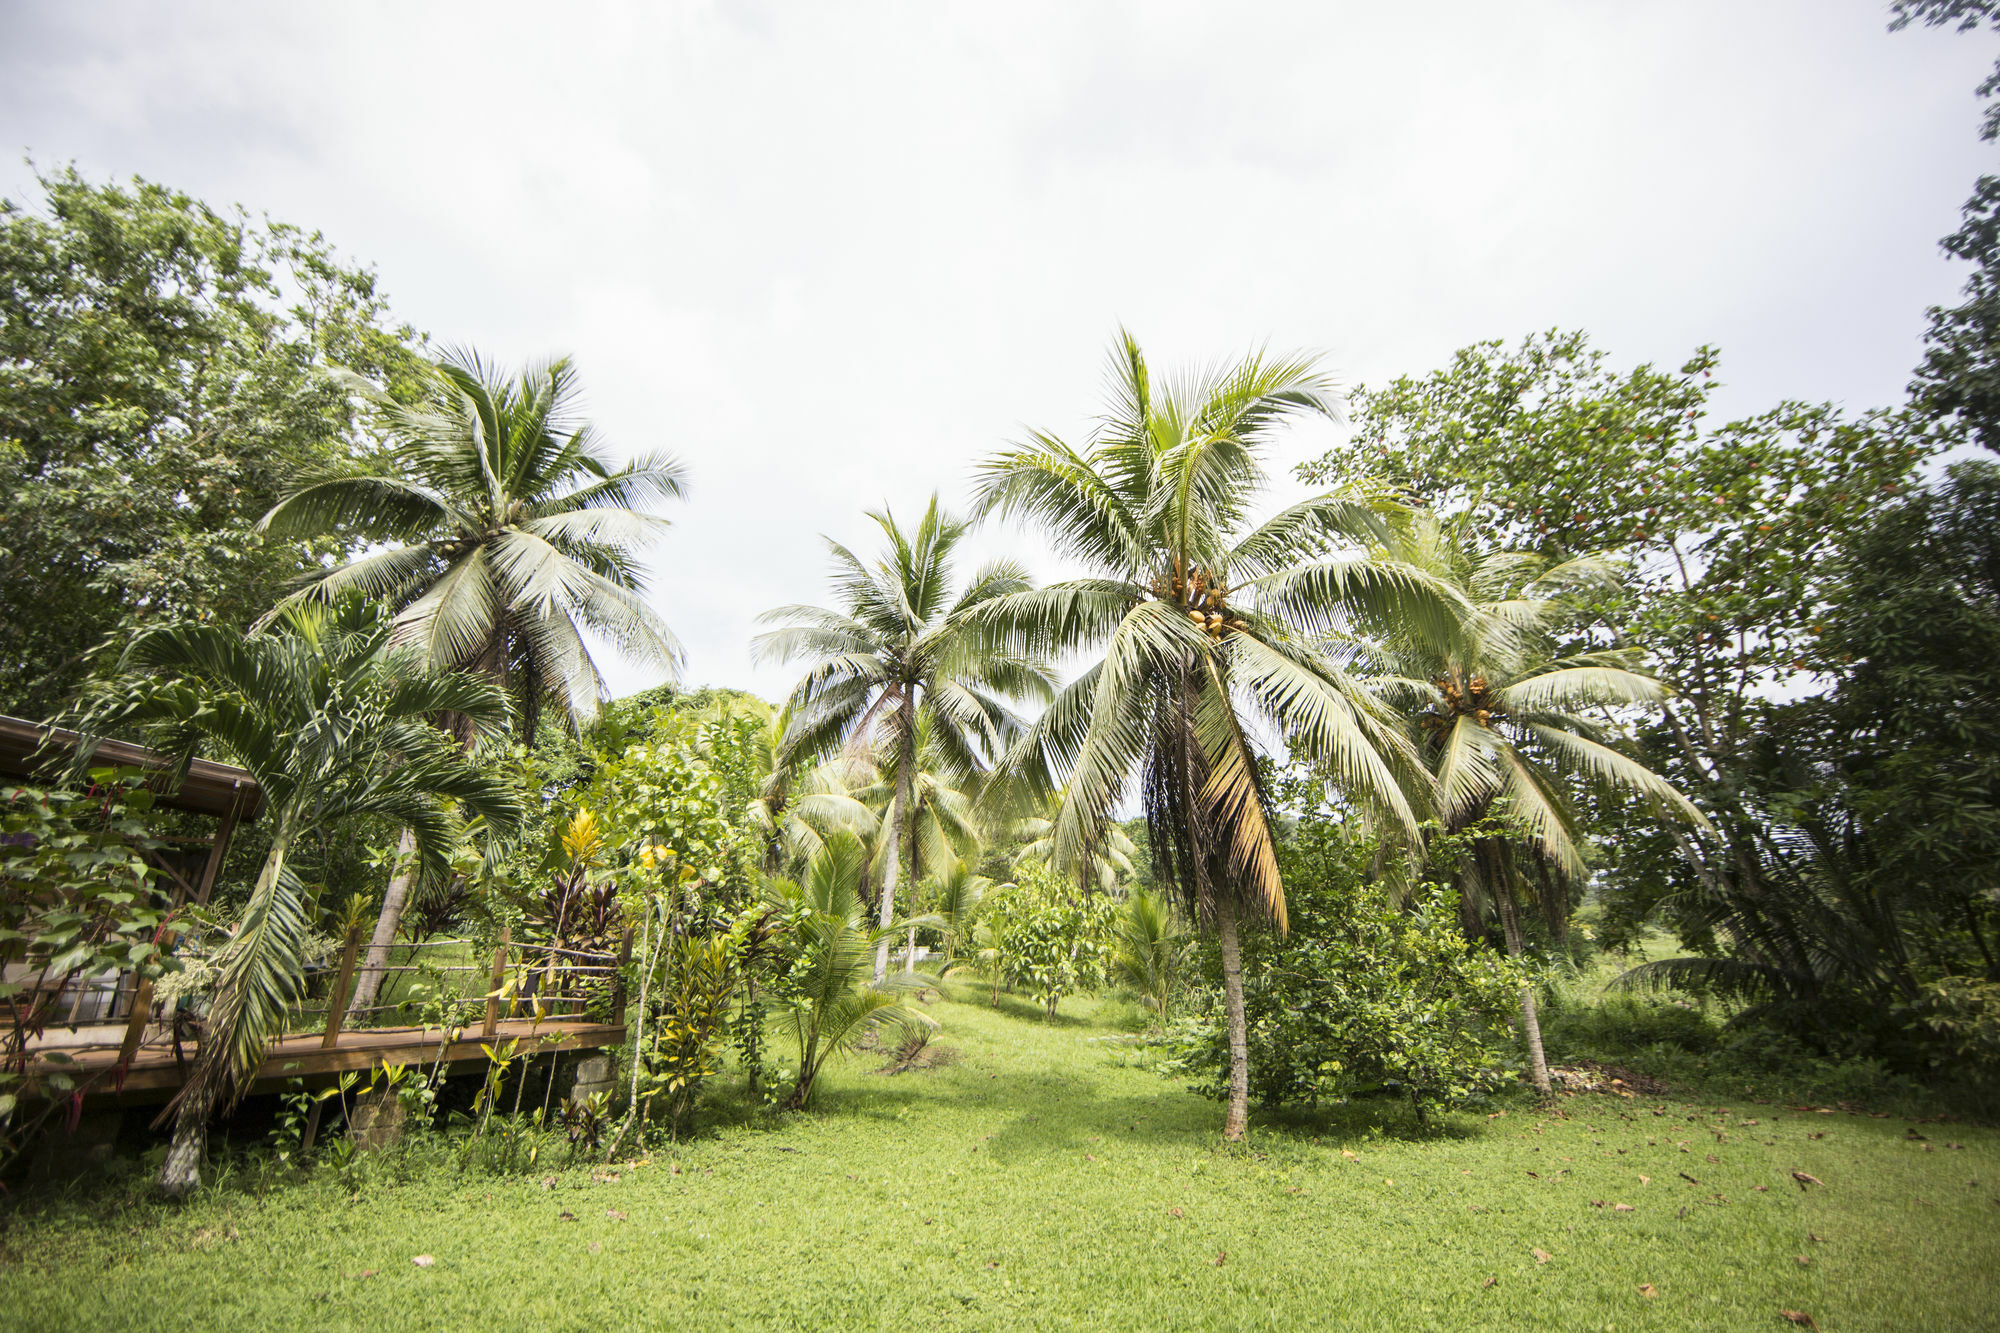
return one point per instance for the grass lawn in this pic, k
(1045, 1180)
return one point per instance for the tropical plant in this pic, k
(1203, 621)
(333, 724)
(1048, 936)
(1501, 718)
(503, 536)
(825, 1001)
(896, 668)
(1112, 860)
(1368, 996)
(1151, 949)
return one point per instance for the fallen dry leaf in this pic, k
(614, 1214)
(596, 1247)
(1088, 1157)
(1805, 1180)
(1542, 1256)
(566, 1216)
(1802, 1259)
(1800, 1317)
(1817, 1240)
(1623, 1208)
(1220, 1255)
(1688, 1178)
(423, 1261)
(548, 1183)
(1648, 1290)
(1387, 1181)
(367, 1272)
(1349, 1156)
(1713, 1160)
(1175, 1212)
(1645, 1180)
(1491, 1281)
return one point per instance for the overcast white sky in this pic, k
(832, 254)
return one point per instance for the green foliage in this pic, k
(1151, 948)
(334, 725)
(162, 378)
(823, 998)
(1360, 996)
(78, 898)
(1050, 938)
(509, 532)
(1619, 1026)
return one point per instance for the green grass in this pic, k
(1048, 1180)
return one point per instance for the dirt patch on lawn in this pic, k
(926, 1056)
(1596, 1076)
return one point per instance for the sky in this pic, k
(832, 255)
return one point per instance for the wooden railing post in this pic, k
(135, 1026)
(499, 979)
(618, 980)
(343, 989)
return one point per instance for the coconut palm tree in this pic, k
(1504, 722)
(895, 659)
(334, 724)
(1111, 861)
(504, 535)
(1203, 625)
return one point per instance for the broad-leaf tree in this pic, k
(895, 666)
(1203, 625)
(503, 535)
(334, 724)
(160, 385)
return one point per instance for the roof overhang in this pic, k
(30, 750)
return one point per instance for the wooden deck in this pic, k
(155, 1074)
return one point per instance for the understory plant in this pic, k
(826, 998)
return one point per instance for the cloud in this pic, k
(830, 255)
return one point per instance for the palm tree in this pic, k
(1203, 622)
(1500, 720)
(896, 658)
(830, 1001)
(506, 535)
(1111, 861)
(797, 805)
(333, 724)
(1151, 948)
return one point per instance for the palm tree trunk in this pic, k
(1238, 1119)
(394, 900)
(492, 662)
(1531, 1025)
(906, 744)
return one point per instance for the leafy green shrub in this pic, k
(1049, 937)
(1359, 998)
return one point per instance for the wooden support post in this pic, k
(618, 980)
(343, 990)
(499, 979)
(135, 1026)
(216, 851)
(312, 1127)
